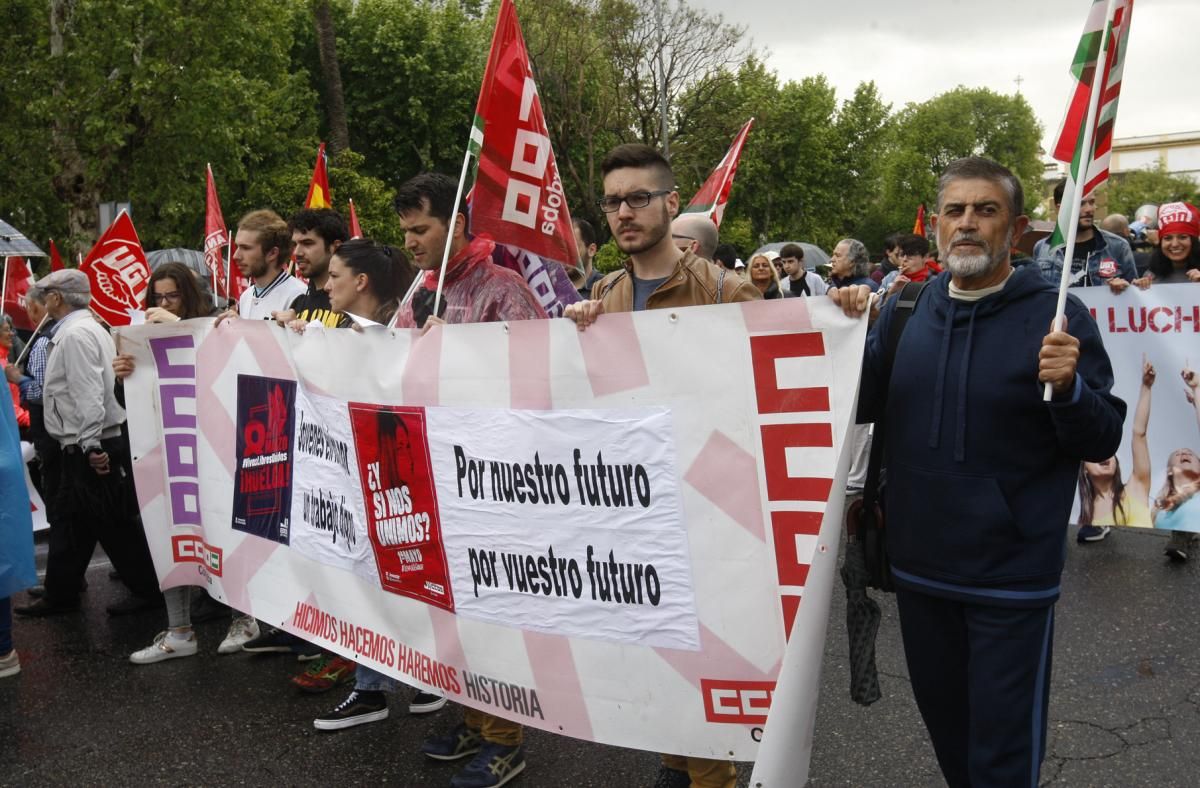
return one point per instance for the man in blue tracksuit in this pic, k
(977, 563)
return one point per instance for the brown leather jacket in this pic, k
(695, 282)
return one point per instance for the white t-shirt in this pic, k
(277, 297)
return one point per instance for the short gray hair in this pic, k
(979, 168)
(856, 250)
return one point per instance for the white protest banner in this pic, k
(603, 534)
(1157, 464)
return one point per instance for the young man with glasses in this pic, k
(640, 200)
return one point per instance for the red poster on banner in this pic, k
(118, 272)
(401, 502)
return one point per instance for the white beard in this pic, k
(969, 266)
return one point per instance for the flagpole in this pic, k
(213, 274)
(4, 286)
(32, 337)
(462, 179)
(1085, 160)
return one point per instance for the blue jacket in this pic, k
(981, 472)
(1116, 250)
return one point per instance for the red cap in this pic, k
(1178, 217)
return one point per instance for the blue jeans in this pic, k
(6, 643)
(368, 680)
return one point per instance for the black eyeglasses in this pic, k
(634, 200)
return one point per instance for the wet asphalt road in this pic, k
(1125, 704)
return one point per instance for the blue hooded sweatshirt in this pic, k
(980, 470)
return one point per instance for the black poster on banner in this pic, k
(262, 490)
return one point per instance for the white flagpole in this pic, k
(1077, 192)
(4, 287)
(32, 337)
(462, 179)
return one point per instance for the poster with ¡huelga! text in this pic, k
(262, 490)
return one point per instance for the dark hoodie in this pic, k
(981, 471)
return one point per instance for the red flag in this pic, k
(17, 281)
(215, 236)
(56, 263)
(318, 187)
(355, 229)
(118, 272)
(919, 224)
(518, 196)
(714, 194)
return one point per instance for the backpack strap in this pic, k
(720, 285)
(905, 306)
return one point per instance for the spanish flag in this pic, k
(919, 224)
(318, 187)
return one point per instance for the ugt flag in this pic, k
(1098, 64)
(714, 194)
(118, 271)
(518, 197)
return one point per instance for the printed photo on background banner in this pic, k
(401, 502)
(262, 492)
(1151, 338)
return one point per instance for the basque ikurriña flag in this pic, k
(714, 194)
(118, 271)
(518, 197)
(1101, 49)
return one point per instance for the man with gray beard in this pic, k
(980, 475)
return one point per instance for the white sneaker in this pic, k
(10, 664)
(242, 629)
(165, 646)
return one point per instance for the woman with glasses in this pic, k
(173, 294)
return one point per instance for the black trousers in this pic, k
(981, 677)
(90, 508)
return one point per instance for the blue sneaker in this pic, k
(494, 766)
(1091, 533)
(458, 743)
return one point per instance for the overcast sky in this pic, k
(916, 50)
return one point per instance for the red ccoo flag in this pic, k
(56, 263)
(714, 194)
(919, 224)
(318, 187)
(518, 196)
(118, 272)
(355, 229)
(17, 281)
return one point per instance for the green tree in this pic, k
(1129, 191)
(961, 122)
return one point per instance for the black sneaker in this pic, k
(458, 743)
(358, 708)
(426, 703)
(273, 640)
(1091, 533)
(40, 608)
(1176, 554)
(205, 608)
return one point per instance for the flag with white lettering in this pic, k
(118, 271)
